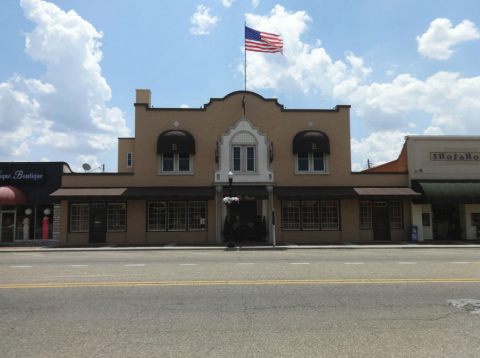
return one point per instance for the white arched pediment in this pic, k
(244, 133)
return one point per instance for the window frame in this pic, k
(400, 212)
(148, 216)
(311, 162)
(244, 158)
(71, 219)
(360, 214)
(176, 165)
(167, 218)
(129, 159)
(108, 217)
(301, 214)
(387, 204)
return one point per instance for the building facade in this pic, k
(28, 215)
(292, 173)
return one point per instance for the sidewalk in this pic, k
(243, 246)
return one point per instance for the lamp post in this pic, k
(231, 242)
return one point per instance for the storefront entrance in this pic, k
(380, 221)
(244, 217)
(446, 222)
(8, 227)
(98, 224)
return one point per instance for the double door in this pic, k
(244, 218)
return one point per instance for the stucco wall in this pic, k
(125, 145)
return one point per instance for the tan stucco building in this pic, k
(292, 173)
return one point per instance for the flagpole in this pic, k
(245, 68)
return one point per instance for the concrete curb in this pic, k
(246, 248)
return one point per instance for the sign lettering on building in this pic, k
(22, 175)
(174, 146)
(455, 156)
(246, 197)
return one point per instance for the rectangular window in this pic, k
(330, 215)
(168, 162)
(365, 215)
(237, 159)
(129, 160)
(250, 159)
(302, 159)
(177, 215)
(117, 217)
(318, 163)
(197, 215)
(396, 217)
(291, 215)
(157, 216)
(183, 162)
(79, 217)
(310, 215)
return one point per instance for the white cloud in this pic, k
(411, 125)
(227, 3)
(88, 159)
(45, 159)
(390, 72)
(452, 102)
(433, 131)
(255, 3)
(184, 106)
(23, 151)
(440, 36)
(203, 21)
(68, 106)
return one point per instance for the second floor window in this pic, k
(311, 162)
(129, 160)
(175, 163)
(244, 159)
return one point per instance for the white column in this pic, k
(269, 213)
(218, 212)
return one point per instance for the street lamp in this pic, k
(231, 242)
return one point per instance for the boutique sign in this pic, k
(22, 175)
(455, 156)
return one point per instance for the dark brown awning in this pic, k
(311, 142)
(176, 141)
(315, 192)
(171, 193)
(387, 193)
(247, 192)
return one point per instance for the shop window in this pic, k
(129, 160)
(175, 163)
(310, 215)
(117, 217)
(330, 215)
(243, 159)
(291, 215)
(79, 217)
(365, 214)
(310, 163)
(395, 212)
(157, 216)
(177, 216)
(197, 215)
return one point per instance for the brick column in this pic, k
(56, 222)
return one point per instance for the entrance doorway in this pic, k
(244, 218)
(446, 222)
(7, 232)
(98, 224)
(381, 230)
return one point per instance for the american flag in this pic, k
(262, 41)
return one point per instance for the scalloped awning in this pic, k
(12, 195)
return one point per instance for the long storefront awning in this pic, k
(387, 193)
(315, 192)
(247, 192)
(141, 193)
(448, 192)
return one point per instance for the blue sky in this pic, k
(69, 68)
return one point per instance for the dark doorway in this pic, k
(98, 224)
(446, 222)
(244, 218)
(8, 227)
(381, 229)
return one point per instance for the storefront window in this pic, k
(117, 217)
(310, 215)
(396, 217)
(157, 216)
(330, 215)
(177, 216)
(79, 217)
(365, 215)
(291, 215)
(197, 211)
(25, 223)
(44, 222)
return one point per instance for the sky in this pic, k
(69, 68)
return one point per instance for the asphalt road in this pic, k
(302, 303)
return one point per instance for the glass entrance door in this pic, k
(244, 218)
(8, 227)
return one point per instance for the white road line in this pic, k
(407, 263)
(245, 263)
(348, 243)
(136, 265)
(29, 254)
(74, 276)
(353, 263)
(188, 264)
(171, 244)
(461, 262)
(20, 266)
(78, 265)
(299, 263)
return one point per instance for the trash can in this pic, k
(414, 233)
